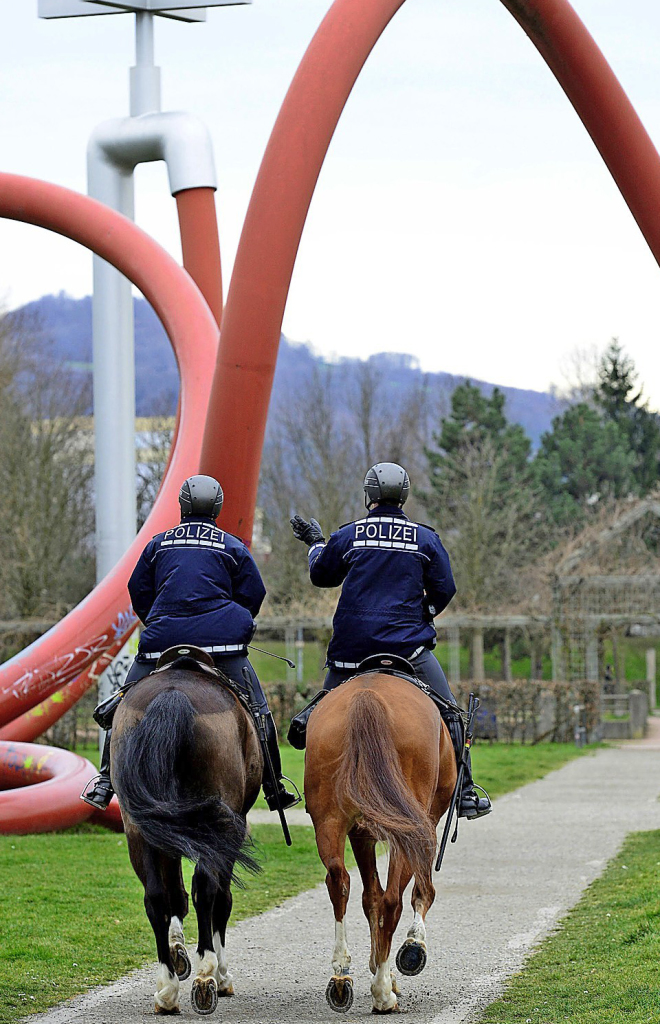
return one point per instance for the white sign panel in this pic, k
(181, 10)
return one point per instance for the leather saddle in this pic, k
(190, 657)
(395, 665)
(187, 656)
(390, 664)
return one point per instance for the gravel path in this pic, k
(504, 884)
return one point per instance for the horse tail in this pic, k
(154, 776)
(369, 777)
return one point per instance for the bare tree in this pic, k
(154, 447)
(579, 374)
(490, 537)
(46, 467)
(320, 445)
(311, 465)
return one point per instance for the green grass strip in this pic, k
(601, 967)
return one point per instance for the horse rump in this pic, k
(370, 779)
(152, 775)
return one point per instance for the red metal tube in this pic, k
(105, 616)
(37, 720)
(601, 103)
(276, 215)
(200, 244)
(41, 788)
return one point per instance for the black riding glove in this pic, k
(428, 610)
(308, 532)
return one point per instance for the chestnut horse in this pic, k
(186, 767)
(379, 766)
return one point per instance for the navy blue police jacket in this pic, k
(387, 564)
(196, 584)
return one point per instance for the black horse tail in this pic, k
(369, 777)
(153, 775)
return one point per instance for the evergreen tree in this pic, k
(584, 458)
(482, 497)
(475, 419)
(618, 396)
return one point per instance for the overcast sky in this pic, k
(463, 214)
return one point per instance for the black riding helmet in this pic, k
(200, 496)
(386, 483)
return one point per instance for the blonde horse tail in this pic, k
(370, 778)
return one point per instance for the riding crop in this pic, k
(270, 654)
(473, 705)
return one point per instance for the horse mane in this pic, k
(369, 777)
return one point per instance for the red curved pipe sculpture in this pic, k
(41, 788)
(105, 616)
(252, 320)
(34, 723)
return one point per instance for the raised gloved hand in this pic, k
(308, 532)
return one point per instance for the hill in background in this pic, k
(65, 326)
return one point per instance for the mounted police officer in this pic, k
(396, 577)
(197, 585)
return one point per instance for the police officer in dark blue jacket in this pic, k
(196, 584)
(395, 577)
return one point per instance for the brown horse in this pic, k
(379, 766)
(186, 767)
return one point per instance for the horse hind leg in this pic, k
(204, 993)
(148, 865)
(331, 840)
(383, 987)
(364, 849)
(412, 956)
(179, 909)
(221, 911)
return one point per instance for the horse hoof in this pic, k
(339, 994)
(227, 991)
(394, 1009)
(168, 1013)
(411, 958)
(181, 961)
(204, 996)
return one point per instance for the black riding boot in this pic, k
(279, 795)
(99, 792)
(470, 804)
(297, 735)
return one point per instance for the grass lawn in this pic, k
(601, 967)
(71, 898)
(73, 915)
